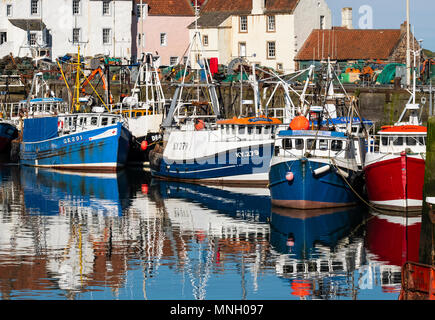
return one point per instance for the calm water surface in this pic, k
(129, 237)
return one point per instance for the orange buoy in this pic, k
(289, 176)
(300, 123)
(199, 125)
(144, 145)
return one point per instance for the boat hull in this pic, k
(396, 182)
(8, 132)
(309, 191)
(241, 166)
(102, 150)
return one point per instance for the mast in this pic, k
(408, 49)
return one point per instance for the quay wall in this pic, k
(427, 235)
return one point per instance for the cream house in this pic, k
(267, 32)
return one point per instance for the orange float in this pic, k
(300, 123)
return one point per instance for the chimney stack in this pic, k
(258, 6)
(346, 18)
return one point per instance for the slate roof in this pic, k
(350, 44)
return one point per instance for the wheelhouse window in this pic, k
(243, 24)
(398, 141)
(241, 129)
(287, 144)
(323, 145)
(337, 145)
(104, 121)
(411, 141)
(311, 144)
(299, 144)
(94, 121)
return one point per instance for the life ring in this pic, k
(199, 125)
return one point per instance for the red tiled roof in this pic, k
(350, 44)
(168, 7)
(245, 6)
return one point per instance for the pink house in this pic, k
(162, 29)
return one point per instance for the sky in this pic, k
(390, 14)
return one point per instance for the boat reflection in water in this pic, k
(318, 249)
(52, 192)
(392, 239)
(219, 229)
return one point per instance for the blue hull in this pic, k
(102, 149)
(8, 132)
(307, 191)
(233, 166)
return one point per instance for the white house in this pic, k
(56, 27)
(266, 32)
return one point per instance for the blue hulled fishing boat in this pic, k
(85, 142)
(8, 132)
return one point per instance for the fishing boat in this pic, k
(83, 141)
(314, 169)
(8, 132)
(394, 169)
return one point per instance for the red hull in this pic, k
(396, 182)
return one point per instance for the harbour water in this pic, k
(126, 236)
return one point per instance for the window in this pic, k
(398, 141)
(76, 7)
(32, 39)
(421, 141)
(322, 22)
(411, 141)
(271, 50)
(205, 40)
(242, 49)
(94, 121)
(106, 8)
(3, 37)
(299, 144)
(76, 35)
(241, 129)
(311, 144)
(323, 145)
(336, 145)
(279, 67)
(34, 7)
(104, 121)
(106, 35)
(287, 144)
(243, 24)
(384, 141)
(141, 11)
(9, 10)
(141, 39)
(173, 61)
(270, 23)
(163, 39)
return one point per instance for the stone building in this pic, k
(345, 44)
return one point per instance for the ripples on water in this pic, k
(126, 236)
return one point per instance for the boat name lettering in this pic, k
(245, 154)
(73, 139)
(181, 146)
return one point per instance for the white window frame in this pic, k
(33, 42)
(269, 49)
(109, 8)
(35, 5)
(109, 39)
(76, 4)
(243, 24)
(271, 24)
(205, 40)
(76, 41)
(163, 39)
(9, 10)
(171, 60)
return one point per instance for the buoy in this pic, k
(300, 123)
(144, 145)
(321, 170)
(144, 188)
(199, 125)
(289, 176)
